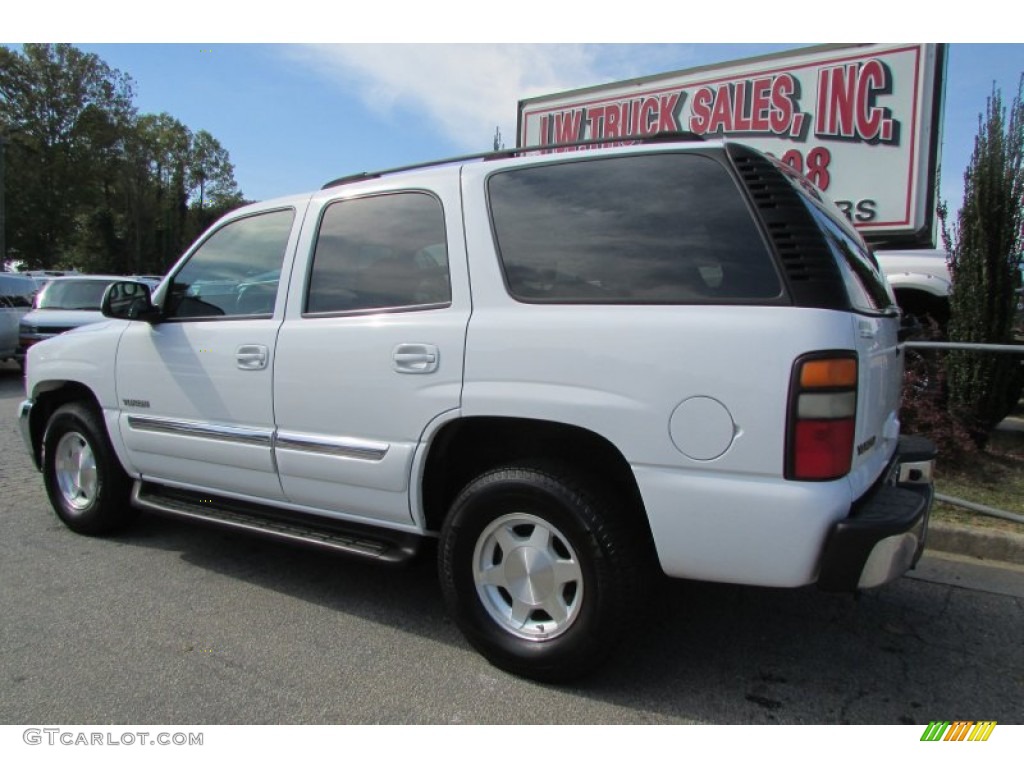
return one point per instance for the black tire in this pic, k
(564, 617)
(88, 488)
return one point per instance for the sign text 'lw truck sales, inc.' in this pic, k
(861, 121)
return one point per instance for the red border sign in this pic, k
(860, 121)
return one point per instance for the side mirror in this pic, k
(128, 300)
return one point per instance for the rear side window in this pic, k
(380, 253)
(656, 229)
(865, 285)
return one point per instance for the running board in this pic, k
(313, 531)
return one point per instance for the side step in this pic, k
(313, 531)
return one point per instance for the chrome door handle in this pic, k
(416, 358)
(252, 357)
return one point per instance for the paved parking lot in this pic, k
(177, 624)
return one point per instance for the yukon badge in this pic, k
(866, 446)
(130, 403)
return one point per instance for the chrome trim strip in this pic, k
(343, 447)
(243, 435)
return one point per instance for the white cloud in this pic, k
(466, 90)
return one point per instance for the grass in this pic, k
(994, 477)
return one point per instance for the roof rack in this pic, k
(501, 154)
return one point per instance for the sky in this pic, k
(295, 111)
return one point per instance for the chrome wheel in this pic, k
(528, 576)
(75, 470)
(539, 571)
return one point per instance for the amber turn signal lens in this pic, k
(838, 372)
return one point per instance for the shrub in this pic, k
(924, 408)
(984, 258)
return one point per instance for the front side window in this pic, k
(235, 272)
(380, 253)
(647, 229)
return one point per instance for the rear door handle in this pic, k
(252, 357)
(416, 358)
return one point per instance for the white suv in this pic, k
(575, 369)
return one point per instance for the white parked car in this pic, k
(574, 369)
(63, 304)
(16, 294)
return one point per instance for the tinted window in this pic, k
(865, 285)
(381, 252)
(663, 228)
(235, 272)
(16, 293)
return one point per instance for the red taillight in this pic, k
(822, 417)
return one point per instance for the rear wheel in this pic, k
(539, 572)
(87, 486)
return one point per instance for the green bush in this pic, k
(984, 258)
(924, 409)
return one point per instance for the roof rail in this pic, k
(501, 154)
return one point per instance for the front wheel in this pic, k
(539, 572)
(87, 486)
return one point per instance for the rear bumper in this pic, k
(885, 533)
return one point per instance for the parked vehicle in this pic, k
(16, 294)
(921, 282)
(65, 303)
(576, 370)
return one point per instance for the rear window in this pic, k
(657, 229)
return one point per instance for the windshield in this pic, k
(73, 294)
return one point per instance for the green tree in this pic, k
(100, 187)
(212, 187)
(62, 110)
(984, 258)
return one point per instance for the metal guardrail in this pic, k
(980, 508)
(1013, 349)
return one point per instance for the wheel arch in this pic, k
(48, 397)
(921, 303)
(465, 448)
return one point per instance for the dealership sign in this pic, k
(860, 121)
